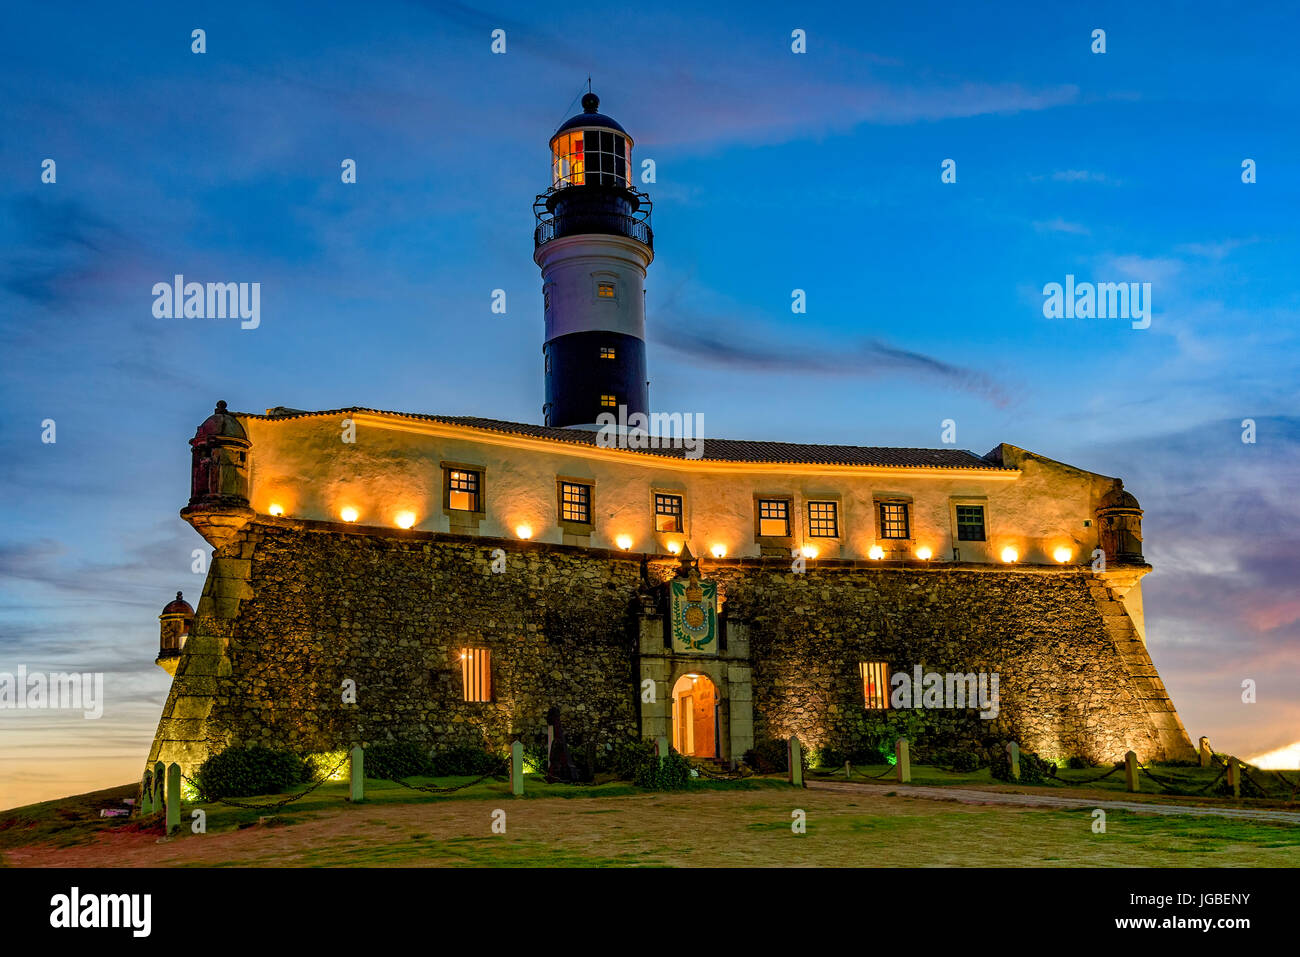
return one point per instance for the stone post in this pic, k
(1234, 776)
(357, 786)
(159, 779)
(173, 797)
(662, 749)
(794, 761)
(848, 771)
(1206, 752)
(902, 762)
(1013, 755)
(1131, 772)
(517, 769)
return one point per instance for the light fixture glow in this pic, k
(1009, 554)
(719, 551)
(349, 514)
(524, 531)
(808, 551)
(924, 553)
(404, 519)
(876, 553)
(675, 547)
(1062, 554)
(624, 542)
(276, 510)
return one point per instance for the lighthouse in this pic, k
(593, 243)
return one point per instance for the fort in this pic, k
(469, 574)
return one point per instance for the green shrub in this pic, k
(397, 759)
(1033, 769)
(629, 756)
(671, 774)
(769, 756)
(957, 760)
(465, 761)
(249, 771)
(1078, 763)
(827, 757)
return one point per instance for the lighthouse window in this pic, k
(575, 502)
(773, 518)
(591, 156)
(462, 490)
(607, 352)
(605, 290)
(609, 401)
(668, 513)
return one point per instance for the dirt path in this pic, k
(971, 796)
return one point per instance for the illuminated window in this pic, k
(823, 520)
(575, 502)
(476, 673)
(875, 683)
(463, 490)
(607, 352)
(608, 401)
(894, 520)
(668, 513)
(970, 523)
(605, 290)
(598, 157)
(774, 518)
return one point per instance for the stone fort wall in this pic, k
(291, 608)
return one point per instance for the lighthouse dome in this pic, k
(591, 118)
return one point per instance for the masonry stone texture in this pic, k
(292, 609)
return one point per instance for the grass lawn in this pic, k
(745, 824)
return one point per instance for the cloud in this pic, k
(1059, 225)
(869, 357)
(1214, 250)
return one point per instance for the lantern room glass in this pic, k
(590, 157)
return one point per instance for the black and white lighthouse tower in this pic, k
(593, 243)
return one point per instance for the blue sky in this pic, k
(775, 171)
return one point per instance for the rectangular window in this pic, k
(970, 523)
(668, 513)
(609, 401)
(605, 290)
(463, 490)
(875, 683)
(894, 520)
(823, 520)
(476, 673)
(773, 518)
(607, 352)
(575, 502)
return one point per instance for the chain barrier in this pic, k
(1264, 791)
(274, 805)
(497, 772)
(1101, 777)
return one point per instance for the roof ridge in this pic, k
(870, 455)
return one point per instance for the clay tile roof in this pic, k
(715, 450)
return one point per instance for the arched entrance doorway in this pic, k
(695, 716)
